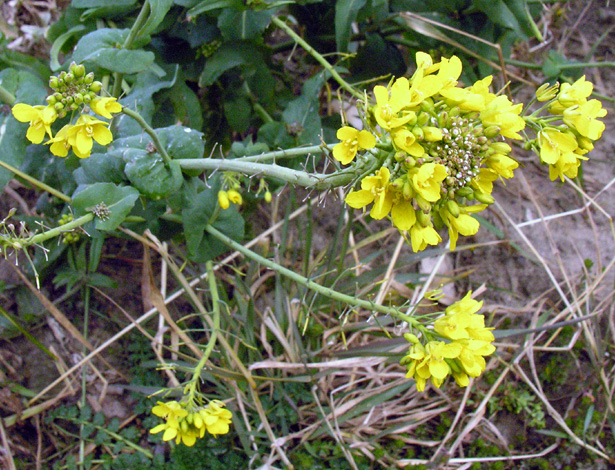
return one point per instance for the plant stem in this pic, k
(35, 182)
(282, 154)
(132, 35)
(6, 97)
(215, 300)
(150, 131)
(319, 182)
(319, 58)
(327, 292)
(55, 232)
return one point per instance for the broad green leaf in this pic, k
(103, 168)
(238, 111)
(148, 173)
(26, 88)
(499, 12)
(140, 99)
(158, 10)
(103, 47)
(377, 58)
(228, 56)
(243, 24)
(185, 104)
(302, 114)
(118, 199)
(345, 14)
(58, 44)
(275, 135)
(201, 245)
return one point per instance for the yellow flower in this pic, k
(546, 92)
(405, 140)
(402, 214)
(39, 117)
(105, 106)
(555, 144)
(170, 411)
(571, 95)
(428, 362)
(501, 112)
(463, 224)
(471, 355)
(473, 98)
(235, 197)
(388, 107)
(421, 236)
(60, 144)
(484, 180)
(373, 189)
(567, 165)
(223, 200)
(216, 418)
(502, 164)
(582, 118)
(462, 322)
(85, 130)
(426, 180)
(352, 140)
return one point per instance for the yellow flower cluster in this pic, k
(187, 423)
(439, 146)
(460, 350)
(564, 147)
(73, 92)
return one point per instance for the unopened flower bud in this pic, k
(96, 86)
(400, 156)
(443, 119)
(453, 208)
(484, 198)
(79, 70)
(51, 100)
(58, 106)
(492, 131)
(423, 218)
(267, 196)
(53, 82)
(89, 78)
(547, 92)
(411, 338)
(432, 134)
(69, 78)
(427, 105)
(418, 132)
(78, 98)
(223, 199)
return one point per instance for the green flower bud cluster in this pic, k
(208, 49)
(68, 238)
(72, 89)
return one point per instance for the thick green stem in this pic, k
(319, 58)
(319, 182)
(56, 232)
(327, 292)
(6, 97)
(150, 131)
(35, 182)
(283, 154)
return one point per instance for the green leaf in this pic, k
(27, 88)
(501, 13)
(228, 56)
(103, 168)
(158, 10)
(208, 5)
(238, 111)
(141, 100)
(150, 175)
(345, 14)
(197, 214)
(118, 199)
(101, 3)
(58, 44)
(302, 114)
(103, 47)
(243, 24)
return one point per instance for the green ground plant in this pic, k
(163, 127)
